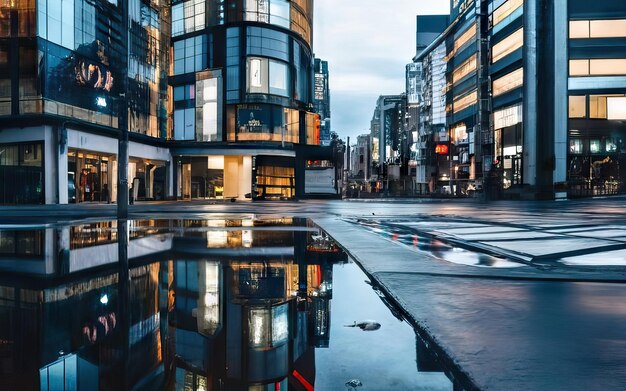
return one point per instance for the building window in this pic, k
(208, 118)
(505, 10)
(184, 124)
(507, 46)
(467, 36)
(598, 67)
(268, 11)
(464, 69)
(279, 79)
(597, 28)
(232, 64)
(188, 17)
(578, 106)
(465, 102)
(600, 106)
(575, 146)
(267, 43)
(190, 55)
(267, 76)
(508, 82)
(56, 21)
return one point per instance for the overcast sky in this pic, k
(367, 44)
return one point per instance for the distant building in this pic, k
(321, 99)
(360, 158)
(388, 133)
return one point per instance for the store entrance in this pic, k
(88, 176)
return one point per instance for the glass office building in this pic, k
(242, 123)
(217, 97)
(86, 70)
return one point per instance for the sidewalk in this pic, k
(515, 328)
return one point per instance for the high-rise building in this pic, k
(534, 97)
(321, 99)
(216, 95)
(73, 75)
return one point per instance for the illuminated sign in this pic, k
(90, 74)
(101, 102)
(441, 149)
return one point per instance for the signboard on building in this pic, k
(320, 181)
(459, 7)
(319, 86)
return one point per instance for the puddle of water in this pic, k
(436, 248)
(218, 304)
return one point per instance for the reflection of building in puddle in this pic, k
(246, 320)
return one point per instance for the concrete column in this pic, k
(530, 108)
(62, 165)
(560, 91)
(51, 171)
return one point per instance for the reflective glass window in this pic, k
(188, 16)
(268, 11)
(467, 36)
(604, 28)
(278, 80)
(508, 82)
(579, 29)
(505, 10)
(267, 43)
(190, 55)
(232, 64)
(464, 69)
(208, 118)
(577, 106)
(465, 101)
(185, 124)
(507, 46)
(598, 67)
(579, 67)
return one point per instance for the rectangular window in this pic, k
(258, 75)
(188, 17)
(598, 67)
(579, 29)
(575, 146)
(607, 67)
(597, 107)
(190, 55)
(505, 10)
(507, 46)
(467, 36)
(279, 81)
(508, 82)
(578, 106)
(275, 12)
(607, 28)
(464, 69)
(232, 64)
(208, 118)
(184, 124)
(465, 102)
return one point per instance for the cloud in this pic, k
(367, 44)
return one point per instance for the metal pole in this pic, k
(122, 155)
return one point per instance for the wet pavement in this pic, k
(493, 296)
(197, 304)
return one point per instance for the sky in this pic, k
(367, 44)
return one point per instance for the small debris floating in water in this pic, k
(367, 325)
(353, 384)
